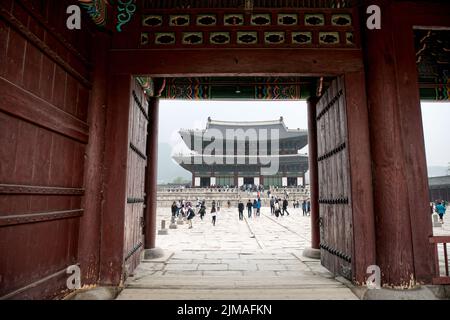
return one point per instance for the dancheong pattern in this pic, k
(210, 28)
(97, 10)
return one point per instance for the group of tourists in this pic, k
(185, 210)
(278, 207)
(252, 188)
(253, 208)
(440, 207)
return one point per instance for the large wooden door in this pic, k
(136, 166)
(336, 221)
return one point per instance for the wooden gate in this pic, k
(136, 166)
(336, 220)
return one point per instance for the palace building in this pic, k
(241, 153)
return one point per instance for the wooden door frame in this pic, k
(245, 62)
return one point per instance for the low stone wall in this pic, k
(166, 198)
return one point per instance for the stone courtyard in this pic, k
(258, 258)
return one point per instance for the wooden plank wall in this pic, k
(44, 97)
(336, 231)
(136, 166)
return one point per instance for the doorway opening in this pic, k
(246, 212)
(433, 66)
(258, 243)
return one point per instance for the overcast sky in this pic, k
(175, 114)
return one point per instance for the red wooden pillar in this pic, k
(115, 180)
(90, 223)
(398, 153)
(359, 154)
(313, 179)
(152, 174)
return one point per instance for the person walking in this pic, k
(276, 208)
(214, 213)
(202, 210)
(249, 208)
(440, 209)
(174, 209)
(308, 207)
(241, 210)
(272, 206)
(190, 216)
(258, 207)
(285, 205)
(178, 208)
(255, 207)
(304, 207)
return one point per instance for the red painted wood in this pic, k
(152, 174)
(136, 166)
(20, 103)
(313, 173)
(115, 177)
(411, 128)
(231, 62)
(390, 188)
(398, 156)
(32, 67)
(15, 57)
(42, 145)
(361, 176)
(90, 224)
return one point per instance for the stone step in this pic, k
(241, 294)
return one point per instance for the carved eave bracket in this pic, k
(110, 14)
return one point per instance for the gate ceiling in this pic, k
(241, 88)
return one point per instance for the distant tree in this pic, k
(179, 180)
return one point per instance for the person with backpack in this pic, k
(241, 210)
(440, 210)
(190, 216)
(255, 207)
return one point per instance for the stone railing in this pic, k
(166, 197)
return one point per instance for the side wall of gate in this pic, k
(347, 233)
(44, 97)
(124, 179)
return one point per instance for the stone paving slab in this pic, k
(221, 267)
(253, 259)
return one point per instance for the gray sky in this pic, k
(175, 114)
(436, 120)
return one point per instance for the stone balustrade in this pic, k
(166, 196)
